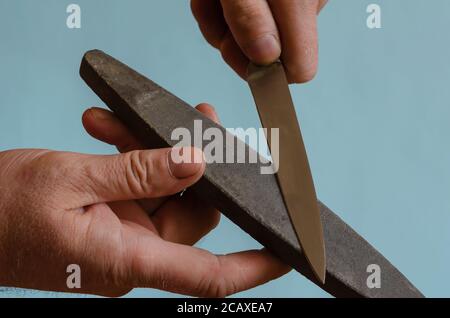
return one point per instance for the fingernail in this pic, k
(263, 50)
(185, 162)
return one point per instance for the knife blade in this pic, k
(270, 90)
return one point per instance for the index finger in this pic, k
(191, 271)
(253, 28)
(103, 125)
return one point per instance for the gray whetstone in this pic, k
(247, 197)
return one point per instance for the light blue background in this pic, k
(376, 120)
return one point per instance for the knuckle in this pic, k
(53, 160)
(214, 285)
(140, 172)
(247, 8)
(49, 162)
(215, 290)
(45, 170)
(250, 16)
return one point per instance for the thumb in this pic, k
(138, 174)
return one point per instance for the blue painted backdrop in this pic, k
(376, 120)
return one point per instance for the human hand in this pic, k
(59, 208)
(263, 31)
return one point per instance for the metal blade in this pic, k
(270, 90)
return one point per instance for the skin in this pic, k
(263, 31)
(118, 217)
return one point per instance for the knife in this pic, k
(270, 90)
